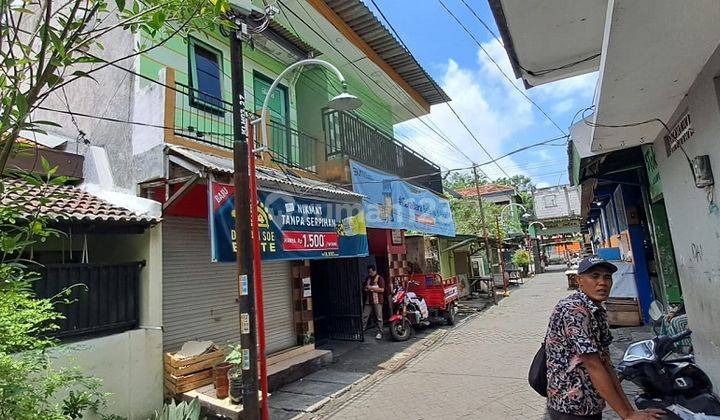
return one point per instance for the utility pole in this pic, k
(243, 233)
(488, 252)
(500, 255)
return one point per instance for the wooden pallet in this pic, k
(183, 375)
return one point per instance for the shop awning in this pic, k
(204, 164)
(460, 244)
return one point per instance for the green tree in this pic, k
(30, 388)
(46, 45)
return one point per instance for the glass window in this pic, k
(205, 75)
(280, 138)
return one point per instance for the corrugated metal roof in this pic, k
(66, 202)
(266, 177)
(364, 23)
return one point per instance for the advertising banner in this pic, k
(291, 227)
(391, 203)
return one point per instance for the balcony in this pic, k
(195, 119)
(104, 298)
(346, 135)
(208, 120)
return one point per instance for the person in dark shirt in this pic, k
(374, 288)
(580, 375)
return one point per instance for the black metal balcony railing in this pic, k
(208, 119)
(103, 297)
(349, 136)
(203, 118)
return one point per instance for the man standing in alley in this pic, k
(581, 378)
(374, 289)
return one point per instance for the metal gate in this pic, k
(337, 297)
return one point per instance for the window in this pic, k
(550, 200)
(205, 76)
(279, 136)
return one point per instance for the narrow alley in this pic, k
(479, 370)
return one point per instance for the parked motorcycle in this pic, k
(666, 382)
(409, 311)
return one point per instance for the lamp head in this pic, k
(344, 102)
(526, 216)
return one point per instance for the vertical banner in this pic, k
(391, 203)
(290, 227)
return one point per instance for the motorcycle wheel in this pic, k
(401, 330)
(451, 313)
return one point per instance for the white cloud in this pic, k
(493, 110)
(563, 106)
(583, 86)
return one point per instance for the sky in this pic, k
(497, 114)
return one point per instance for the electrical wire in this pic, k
(354, 64)
(449, 105)
(490, 57)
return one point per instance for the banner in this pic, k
(391, 203)
(291, 228)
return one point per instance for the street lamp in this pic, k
(342, 102)
(525, 214)
(537, 223)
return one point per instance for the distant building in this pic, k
(494, 193)
(557, 202)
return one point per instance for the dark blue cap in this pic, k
(594, 261)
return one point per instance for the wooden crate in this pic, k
(623, 312)
(182, 375)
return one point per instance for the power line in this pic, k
(490, 57)
(462, 122)
(371, 78)
(530, 72)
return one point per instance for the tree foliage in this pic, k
(30, 388)
(46, 45)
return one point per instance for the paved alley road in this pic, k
(478, 371)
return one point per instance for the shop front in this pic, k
(300, 220)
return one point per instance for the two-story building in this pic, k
(176, 149)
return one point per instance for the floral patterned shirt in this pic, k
(577, 326)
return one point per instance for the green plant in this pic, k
(183, 411)
(308, 338)
(47, 45)
(234, 356)
(521, 258)
(30, 387)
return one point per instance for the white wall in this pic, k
(557, 202)
(129, 365)
(695, 228)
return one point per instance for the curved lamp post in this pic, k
(342, 102)
(538, 223)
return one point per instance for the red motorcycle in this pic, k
(426, 296)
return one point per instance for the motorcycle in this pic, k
(409, 311)
(667, 383)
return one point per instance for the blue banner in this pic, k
(291, 228)
(391, 203)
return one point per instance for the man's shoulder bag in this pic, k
(537, 377)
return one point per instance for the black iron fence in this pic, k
(349, 136)
(203, 118)
(103, 297)
(207, 119)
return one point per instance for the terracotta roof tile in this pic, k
(484, 190)
(69, 203)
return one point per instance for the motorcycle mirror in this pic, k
(655, 311)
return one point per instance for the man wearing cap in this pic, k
(580, 375)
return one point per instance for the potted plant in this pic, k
(220, 379)
(521, 258)
(234, 358)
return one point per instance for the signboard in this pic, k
(391, 203)
(290, 227)
(680, 133)
(653, 172)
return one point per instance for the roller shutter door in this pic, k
(199, 295)
(278, 305)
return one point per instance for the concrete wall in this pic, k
(129, 365)
(557, 202)
(694, 222)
